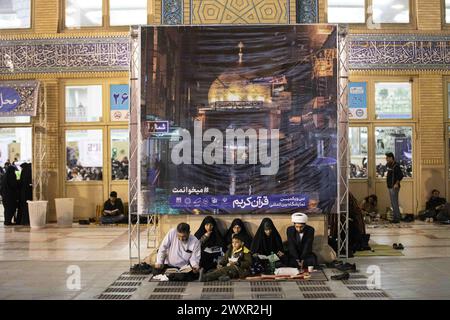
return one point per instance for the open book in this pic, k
(184, 269)
(263, 257)
(111, 212)
(213, 249)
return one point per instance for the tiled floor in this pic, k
(40, 264)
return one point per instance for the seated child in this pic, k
(235, 264)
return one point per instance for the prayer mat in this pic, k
(379, 250)
(386, 224)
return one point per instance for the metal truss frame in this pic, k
(134, 187)
(136, 210)
(134, 234)
(343, 150)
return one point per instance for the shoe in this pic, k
(347, 267)
(394, 246)
(224, 278)
(395, 221)
(334, 264)
(400, 247)
(431, 220)
(427, 219)
(343, 276)
(9, 224)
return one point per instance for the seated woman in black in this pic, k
(267, 241)
(238, 227)
(211, 240)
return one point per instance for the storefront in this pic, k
(94, 126)
(383, 119)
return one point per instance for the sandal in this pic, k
(400, 247)
(395, 246)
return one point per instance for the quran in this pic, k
(111, 212)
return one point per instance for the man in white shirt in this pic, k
(180, 249)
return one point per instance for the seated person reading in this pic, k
(211, 243)
(300, 238)
(181, 251)
(113, 211)
(433, 206)
(238, 227)
(235, 264)
(369, 206)
(267, 241)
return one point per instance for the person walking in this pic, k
(394, 176)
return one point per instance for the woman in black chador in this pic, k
(267, 241)
(10, 191)
(211, 240)
(238, 227)
(25, 194)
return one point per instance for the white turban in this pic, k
(299, 217)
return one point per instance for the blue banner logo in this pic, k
(238, 202)
(9, 99)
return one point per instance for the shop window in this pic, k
(447, 11)
(122, 13)
(119, 154)
(358, 152)
(83, 13)
(393, 100)
(84, 155)
(15, 14)
(15, 145)
(346, 11)
(24, 119)
(84, 103)
(397, 140)
(390, 11)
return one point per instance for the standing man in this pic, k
(394, 176)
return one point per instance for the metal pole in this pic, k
(343, 167)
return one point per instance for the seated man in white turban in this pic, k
(300, 238)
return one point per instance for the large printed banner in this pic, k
(18, 98)
(238, 119)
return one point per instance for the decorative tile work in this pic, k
(419, 52)
(307, 11)
(65, 55)
(239, 11)
(27, 94)
(113, 53)
(172, 12)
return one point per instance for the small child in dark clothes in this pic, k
(235, 264)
